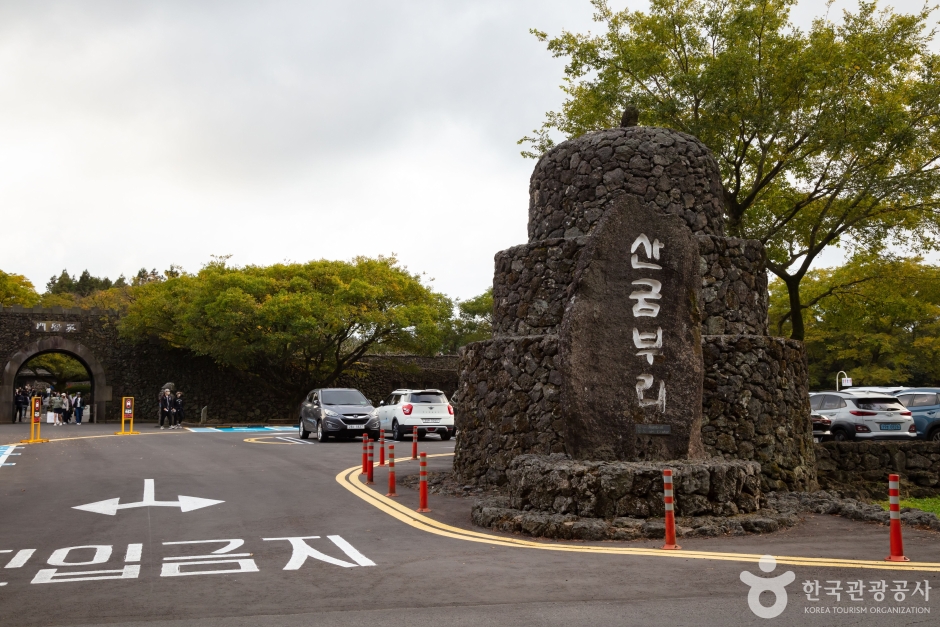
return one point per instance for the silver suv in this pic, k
(864, 416)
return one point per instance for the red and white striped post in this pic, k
(369, 477)
(423, 485)
(365, 454)
(381, 447)
(894, 498)
(391, 471)
(669, 498)
(414, 443)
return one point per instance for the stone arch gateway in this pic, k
(54, 344)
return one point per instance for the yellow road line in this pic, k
(258, 440)
(109, 435)
(347, 479)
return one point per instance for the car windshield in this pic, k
(428, 397)
(879, 404)
(343, 397)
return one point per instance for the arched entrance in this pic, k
(55, 344)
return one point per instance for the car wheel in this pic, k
(302, 433)
(839, 435)
(397, 433)
(321, 434)
(445, 436)
(934, 435)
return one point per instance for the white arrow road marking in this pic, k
(110, 507)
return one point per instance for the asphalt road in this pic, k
(276, 488)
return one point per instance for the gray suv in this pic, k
(341, 413)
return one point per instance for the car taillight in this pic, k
(862, 429)
(913, 429)
(905, 413)
(858, 412)
(406, 409)
(450, 410)
(825, 422)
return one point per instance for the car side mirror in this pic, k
(381, 403)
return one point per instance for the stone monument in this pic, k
(630, 330)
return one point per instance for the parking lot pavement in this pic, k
(181, 528)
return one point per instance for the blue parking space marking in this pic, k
(239, 429)
(6, 452)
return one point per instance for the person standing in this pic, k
(78, 405)
(55, 402)
(178, 411)
(66, 408)
(166, 409)
(19, 402)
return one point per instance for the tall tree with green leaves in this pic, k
(16, 289)
(876, 318)
(822, 136)
(293, 326)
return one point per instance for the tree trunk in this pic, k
(796, 307)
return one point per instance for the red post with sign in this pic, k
(127, 415)
(35, 422)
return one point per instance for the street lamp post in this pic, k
(837, 378)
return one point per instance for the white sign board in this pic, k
(846, 382)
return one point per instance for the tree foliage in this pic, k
(825, 135)
(294, 326)
(63, 369)
(877, 319)
(16, 289)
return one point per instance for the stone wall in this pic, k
(635, 489)
(121, 368)
(666, 170)
(530, 286)
(756, 407)
(861, 469)
(494, 427)
(734, 286)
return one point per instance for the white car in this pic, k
(864, 416)
(429, 410)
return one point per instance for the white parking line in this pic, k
(5, 452)
(295, 440)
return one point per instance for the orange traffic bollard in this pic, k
(365, 454)
(423, 485)
(894, 507)
(381, 447)
(414, 443)
(669, 498)
(369, 477)
(391, 471)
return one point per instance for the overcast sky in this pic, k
(144, 134)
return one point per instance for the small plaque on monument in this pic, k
(654, 429)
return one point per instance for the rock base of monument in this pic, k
(495, 513)
(555, 484)
(779, 510)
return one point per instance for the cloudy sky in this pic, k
(144, 134)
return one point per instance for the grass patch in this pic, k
(931, 504)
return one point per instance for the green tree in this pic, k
(825, 135)
(294, 326)
(63, 369)
(876, 318)
(473, 323)
(16, 289)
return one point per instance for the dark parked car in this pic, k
(341, 413)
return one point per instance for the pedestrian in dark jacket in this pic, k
(178, 411)
(20, 401)
(78, 406)
(166, 409)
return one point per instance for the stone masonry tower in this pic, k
(630, 328)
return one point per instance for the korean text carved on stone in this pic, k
(649, 342)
